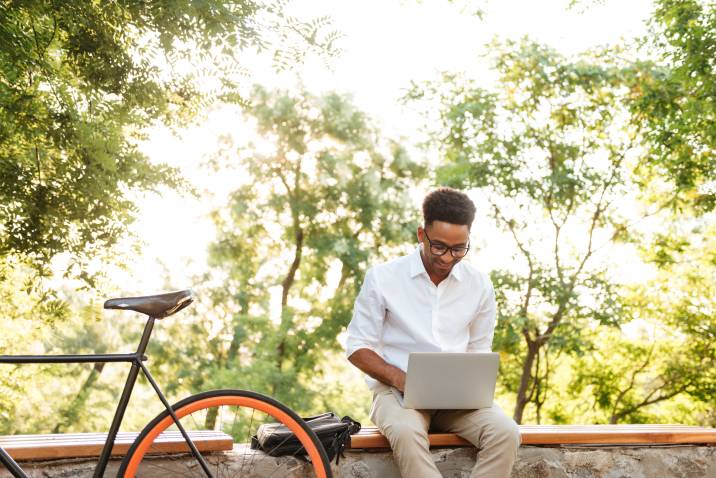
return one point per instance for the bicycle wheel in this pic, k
(237, 413)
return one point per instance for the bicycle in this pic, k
(202, 411)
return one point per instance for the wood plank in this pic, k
(570, 435)
(78, 445)
(71, 445)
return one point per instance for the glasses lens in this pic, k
(459, 252)
(438, 250)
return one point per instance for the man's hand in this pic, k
(373, 364)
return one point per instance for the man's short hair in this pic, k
(448, 205)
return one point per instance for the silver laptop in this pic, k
(437, 380)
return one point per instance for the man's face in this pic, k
(442, 234)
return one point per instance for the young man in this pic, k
(430, 301)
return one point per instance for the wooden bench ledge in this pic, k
(570, 435)
(76, 445)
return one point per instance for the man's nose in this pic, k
(446, 259)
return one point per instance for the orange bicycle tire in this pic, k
(237, 398)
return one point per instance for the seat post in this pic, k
(145, 336)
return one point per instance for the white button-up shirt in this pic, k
(400, 310)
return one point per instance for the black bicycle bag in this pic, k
(276, 439)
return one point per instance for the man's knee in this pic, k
(505, 432)
(406, 433)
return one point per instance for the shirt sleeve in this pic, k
(366, 327)
(482, 328)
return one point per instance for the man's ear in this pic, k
(420, 234)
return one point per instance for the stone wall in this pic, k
(681, 461)
(558, 462)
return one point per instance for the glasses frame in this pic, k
(447, 248)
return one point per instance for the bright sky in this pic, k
(387, 44)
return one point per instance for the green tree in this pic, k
(17, 311)
(78, 83)
(551, 149)
(320, 198)
(672, 100)
(629, 380)
(569, 173)
(64, 397)
(671, 104)
(675, 102)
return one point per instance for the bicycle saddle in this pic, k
(157, 306)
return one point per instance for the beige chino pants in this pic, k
(495, 435)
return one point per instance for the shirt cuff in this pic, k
(353, 346)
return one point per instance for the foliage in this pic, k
(551, 150)
(43, 398)
(559, 156)
(671, 103)
(629, 379)
(320, 197)
(579, 160)
(19, 329)
(78, 83)
(674, 103)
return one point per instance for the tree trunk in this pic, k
(233, 352)
(525, 380)
(210, 419)
(286, 288)
(291, 276)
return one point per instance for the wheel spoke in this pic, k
(248, 440)
(171, 471)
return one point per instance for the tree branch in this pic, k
(650, 401)
(632, 382)
(530, 264)
(511, 227)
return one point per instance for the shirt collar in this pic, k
(417, 267)
(416, 264)
(457, 271)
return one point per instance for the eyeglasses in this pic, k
(440, 249)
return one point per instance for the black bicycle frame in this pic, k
(136, 360)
